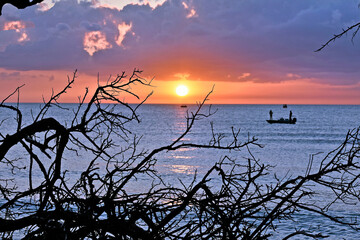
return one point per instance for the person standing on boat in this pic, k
(290, 116)
(271, 113)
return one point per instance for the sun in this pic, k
(182, 90)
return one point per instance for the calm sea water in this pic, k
(319, 129)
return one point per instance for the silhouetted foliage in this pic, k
(242, 204)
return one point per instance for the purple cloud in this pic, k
(206, 39)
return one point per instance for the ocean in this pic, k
(318, 130)
(287, 147)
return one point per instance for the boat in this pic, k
(285, 106)
(283, 121)
(183, 106)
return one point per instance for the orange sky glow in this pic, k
(290, 92)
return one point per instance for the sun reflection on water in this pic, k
(183, 169)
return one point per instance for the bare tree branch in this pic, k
(355, 29)
(242, 204)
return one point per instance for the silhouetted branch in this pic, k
(355, 29)
(232, 200)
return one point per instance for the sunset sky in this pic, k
(253, 51)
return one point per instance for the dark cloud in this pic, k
(90, 26)
(271, 40)
(10, 13)
(62, 27)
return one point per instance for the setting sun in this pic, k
(182, 90)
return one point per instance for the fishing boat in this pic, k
(283, 121)
(183, 106)
(285, 106)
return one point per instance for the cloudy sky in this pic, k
(254, 51)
